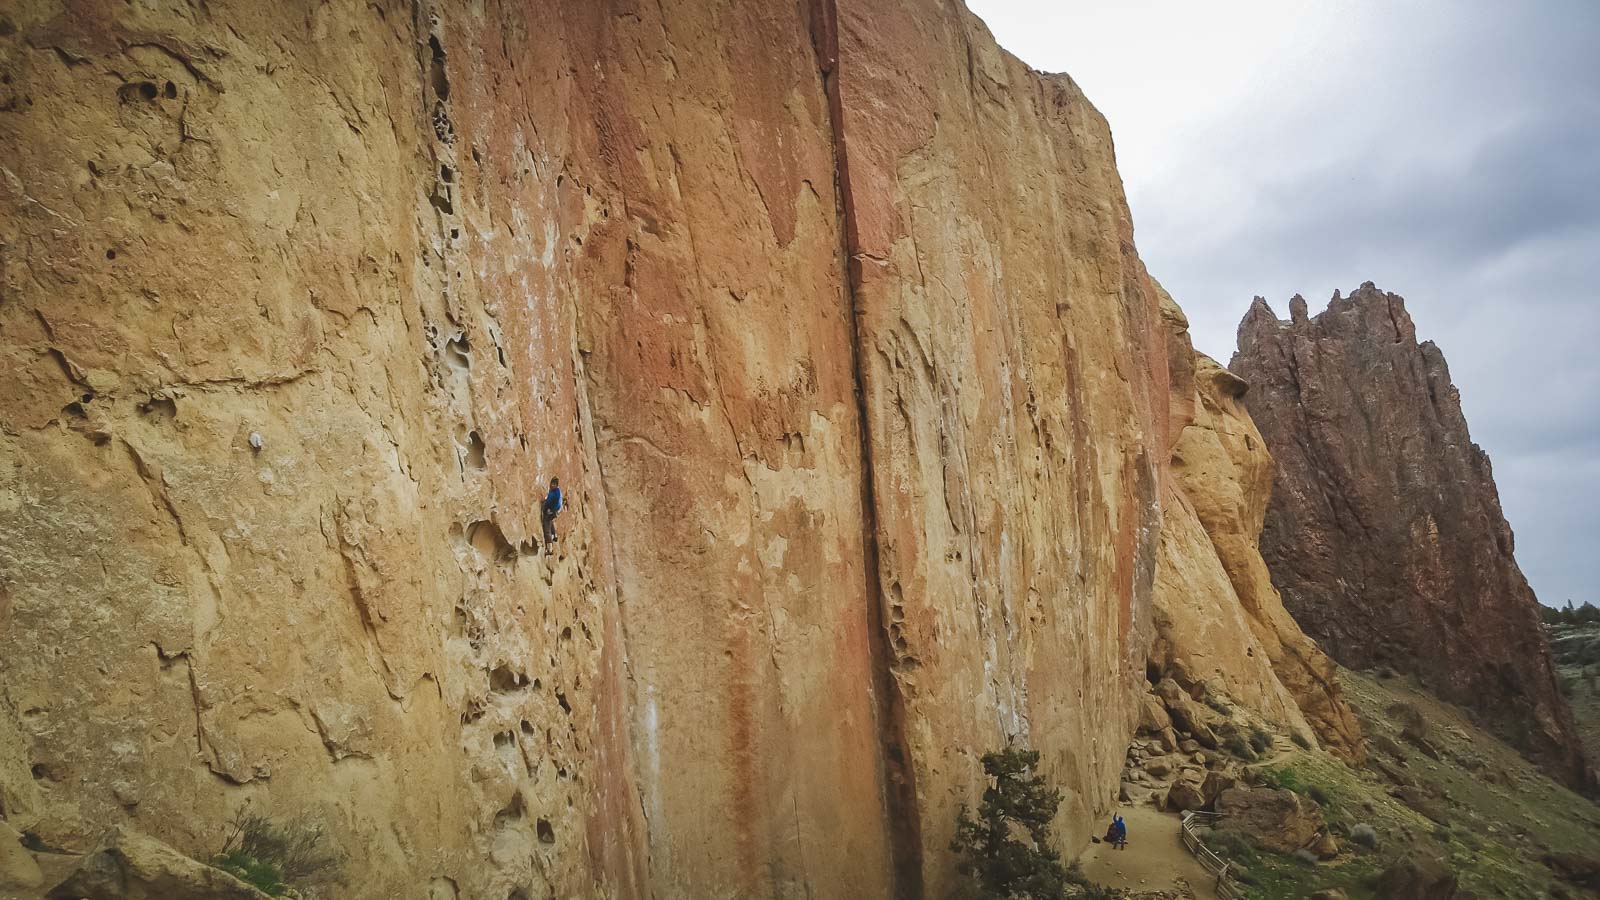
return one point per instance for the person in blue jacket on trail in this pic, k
(1120, 828)
(553, 505)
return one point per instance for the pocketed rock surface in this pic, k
(827, 316)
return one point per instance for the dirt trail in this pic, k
(1154, 858)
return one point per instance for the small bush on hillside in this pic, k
(1364, 835)
(263, 876)
(1317, 793)
(1385, 673)
(1090, 890)
(1413, 724)
(1300, 740)
(1217, 704)
(1260, 740)
(1587, 614)
(1306, 856)
(275, 857)
(991, 853)
(1285, 779)
(1238, 746)
(1231, 845)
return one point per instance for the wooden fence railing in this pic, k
(1228, 888)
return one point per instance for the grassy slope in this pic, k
(1577, 657)
(1496, 834)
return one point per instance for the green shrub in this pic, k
(1364, 835)
(259, 874)
(1285, 779)
(1260, 740)
(1238, 746)
(1231, 845)
(275, 857)
(1219, 705)
(991, 854)
(1300, 740)
(1091, 891)
(1316, 793)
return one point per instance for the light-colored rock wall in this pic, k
(1014, 373)
(828, 318)
(301, 221)
(1218, 617)
(714, 336)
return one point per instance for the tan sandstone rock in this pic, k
(1215, 783)
(1277, 820)
(127, 865)
(1420, 874)
(1184, 795)
(1188, 716)
(18, 869)
(828, 316)
(1217, 614)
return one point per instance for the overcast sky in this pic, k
(1447, 150)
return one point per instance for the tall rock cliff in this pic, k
(1385, 535)
(827, 315)
(1220, 624)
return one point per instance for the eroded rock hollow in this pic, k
(1385, 534)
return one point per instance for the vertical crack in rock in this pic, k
(902, 812)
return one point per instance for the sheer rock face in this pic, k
(828, 318)
(1385, 534)
(1220, 624)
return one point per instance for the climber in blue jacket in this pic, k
(552, 507)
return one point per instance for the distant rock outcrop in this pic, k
(1385, 534)
(1219, 622)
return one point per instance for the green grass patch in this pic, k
(277, 857)
(260, 874)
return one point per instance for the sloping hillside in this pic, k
(1436, 781)
(1576, 651)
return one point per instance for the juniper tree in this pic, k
(1007, 848)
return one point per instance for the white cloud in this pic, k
(1447, 150)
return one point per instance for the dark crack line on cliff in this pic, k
(347, 552)
(155, 483)
(903, 816)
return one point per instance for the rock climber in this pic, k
(553, 505)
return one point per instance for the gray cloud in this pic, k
(1447, 150)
